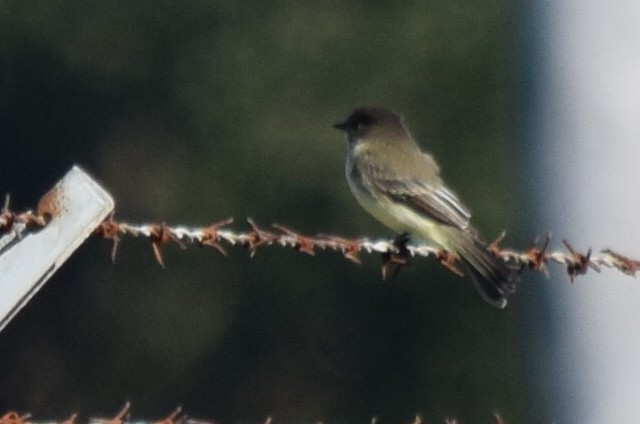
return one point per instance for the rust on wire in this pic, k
(626, 265)
(537, 257)
(120, 417)
(160, 235)
(394, 252)
(499, 419)
(301, 243)
(18, 222)
(211, 236)
(449, 261)
(13, 417)
(258, 237)
(71, 419)
(174, 417)
(110, 229)
(349, 248)
(581, 262)
(13, 225)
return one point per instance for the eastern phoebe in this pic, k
(400, 186)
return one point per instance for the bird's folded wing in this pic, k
(423, 192)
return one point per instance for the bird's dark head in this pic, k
(372, 122)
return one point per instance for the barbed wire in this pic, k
(122, 417)
(175, 417)
(394, 252)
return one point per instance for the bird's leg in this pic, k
(399, 258)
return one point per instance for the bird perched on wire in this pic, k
(400, 186)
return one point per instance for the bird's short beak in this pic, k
(341, 126)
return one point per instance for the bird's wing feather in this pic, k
(423, 192)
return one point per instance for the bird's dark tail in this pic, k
(492, 277)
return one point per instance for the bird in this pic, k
(400, 186)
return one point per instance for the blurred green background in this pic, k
(190, 112)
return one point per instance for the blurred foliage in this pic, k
(190, 112)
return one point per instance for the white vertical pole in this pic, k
(589, 144)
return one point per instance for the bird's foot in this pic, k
(396, 259)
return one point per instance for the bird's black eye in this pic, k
(361, 121)
(354, 124)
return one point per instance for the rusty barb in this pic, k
(12, 224)
(394, 252)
